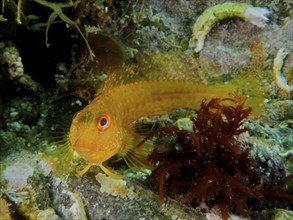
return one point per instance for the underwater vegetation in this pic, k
(209, 166)
(57, 12)
(228, 153)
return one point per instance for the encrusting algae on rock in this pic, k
(115, 187)
(153, 87)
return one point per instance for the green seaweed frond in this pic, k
(2, 11)
(18, 11)
(57, 12)
(15, 8)
(3, 4)
(2, 19)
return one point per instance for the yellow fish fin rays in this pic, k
(171, 66)
(137, 160)
(110, 173)
(58, 155)
(84, 170)
(136, 156)
(105, 170)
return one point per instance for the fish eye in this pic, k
(104, 122)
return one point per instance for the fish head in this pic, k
(95, 134)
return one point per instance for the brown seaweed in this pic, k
(209, 165)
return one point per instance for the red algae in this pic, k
(209, 165)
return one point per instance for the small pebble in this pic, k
(13, 114)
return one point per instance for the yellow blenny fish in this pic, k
(104, 128)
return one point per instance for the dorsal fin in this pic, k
(170, 66)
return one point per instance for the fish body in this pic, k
(104, 127)
(123, 105)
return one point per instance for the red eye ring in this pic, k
(104, 122)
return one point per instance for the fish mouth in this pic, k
(86, 153)
(89, 155)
